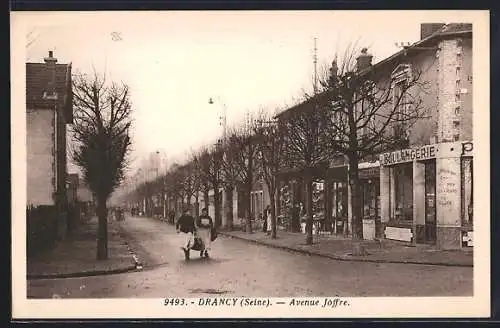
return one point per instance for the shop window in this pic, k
(318, 198)
(403, 185)
(339, 208)
(467, 190)
(370, 198)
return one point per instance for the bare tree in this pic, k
(215, 179)
(231, 177)
(203, 163)
(188, 181)
(270, 157)
(245, 145)
(369, 112)
(197, 179)
(102, 142)
(306, 147)
(172, 187)
(178, 184)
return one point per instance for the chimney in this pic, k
(364, 60)
(50, 59)
(50, 91)
(427, 29)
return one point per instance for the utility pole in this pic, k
(222, 119)
(315, 61)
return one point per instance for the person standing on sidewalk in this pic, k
(186, 225)
(206, 225)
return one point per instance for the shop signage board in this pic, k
(422, 153)
(402, 234)
(408, 155)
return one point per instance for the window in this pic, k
(336, 118)
(400, 100)
(339, 191)
(370, 198)
(403, 189)
(366, 107)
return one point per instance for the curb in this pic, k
(137, 266)
(82, 274)
(343, 258)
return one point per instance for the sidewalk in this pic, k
(340, 248)
(76, 256)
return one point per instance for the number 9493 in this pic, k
(174, 301)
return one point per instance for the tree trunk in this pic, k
(295, 207)
(206, 198)
(357, 222)
(197, 205)
(102, 232)
(309, 207)
(249, 190)
(328, 205)
(278, 198)
(272, 199)
(163, 202)
(248, 208)
(229, 208)
(217, 208)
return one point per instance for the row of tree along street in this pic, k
(355, 112)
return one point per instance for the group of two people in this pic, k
(202, 228)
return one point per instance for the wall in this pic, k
(425, 90)
(425, 128)
(40, 160)
(466, 82)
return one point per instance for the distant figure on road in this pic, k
(186, 225)
(206, 226)
(171, 217)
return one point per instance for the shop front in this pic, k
(426, 194)
(369, 177)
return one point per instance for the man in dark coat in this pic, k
(186, 225)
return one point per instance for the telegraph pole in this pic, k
(315, 61)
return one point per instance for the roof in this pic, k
(452, 29)
(38, 78)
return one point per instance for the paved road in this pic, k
(238, 268)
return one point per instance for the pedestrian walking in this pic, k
(205, 226)
(186, 225)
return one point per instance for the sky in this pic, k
(175, 61)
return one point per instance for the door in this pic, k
(430, 203)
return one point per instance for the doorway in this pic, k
(430, 203)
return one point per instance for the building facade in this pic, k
(420, 192)
(48, 111)
(426, 189)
